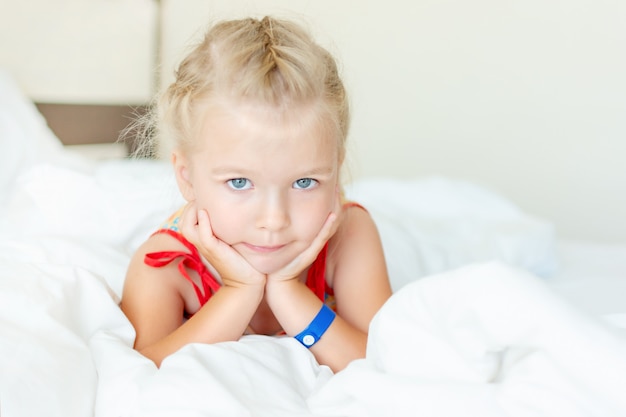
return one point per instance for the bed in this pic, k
(492, 314)
(505, 303)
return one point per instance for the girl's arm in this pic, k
(154, 300)
(361, 287)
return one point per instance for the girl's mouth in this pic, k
(263, 249)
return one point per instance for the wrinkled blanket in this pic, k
(483, 340)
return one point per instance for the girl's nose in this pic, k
(273, 213)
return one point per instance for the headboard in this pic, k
(83, 124)
(89, 65)
(525, 97)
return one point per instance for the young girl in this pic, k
(265, 244)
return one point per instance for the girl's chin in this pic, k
(271, 261)
(266, 266)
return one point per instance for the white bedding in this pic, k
(592, 276)
(468, 331)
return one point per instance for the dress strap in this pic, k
(316, 276)
(188, 260)
(349, 204)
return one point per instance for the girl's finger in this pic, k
(309, 254)
(189, 220)
(204, 228)
(327, 231)
(338, 205)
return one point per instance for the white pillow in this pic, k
(433, 224)
(116, 203)
(24, 136)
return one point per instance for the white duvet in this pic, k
(468, 332)
(482, 340)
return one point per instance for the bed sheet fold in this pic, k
(482, 340)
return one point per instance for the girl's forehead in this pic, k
(286, 111)
(259, 138)
(300, 121)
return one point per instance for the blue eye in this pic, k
(239, 183)
(304, 183)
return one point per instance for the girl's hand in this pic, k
(234, 270)
(307, 257)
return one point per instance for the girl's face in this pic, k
(268, 179)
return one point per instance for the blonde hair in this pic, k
(268, 61)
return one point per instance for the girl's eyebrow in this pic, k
(230, 170)
(223, 170)
(326, 170)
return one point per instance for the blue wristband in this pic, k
(314, 331)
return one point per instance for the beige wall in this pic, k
(527, 97)
(80, 51)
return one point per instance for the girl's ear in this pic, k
(181, 170)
